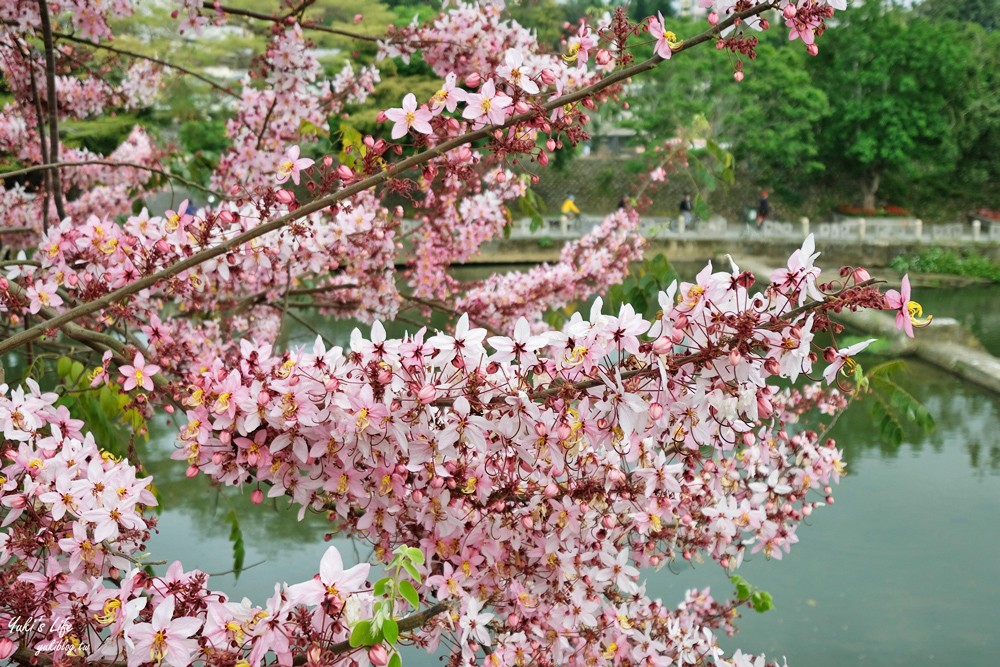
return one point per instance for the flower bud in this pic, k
(550, 144)
(358, 18)
(548, 78)
(437, 482)
(381, 117)
(735, 357)
(417, 495)
(344, 173)
(543, 159)
(764, 24)
(7, 648)
(738, 75)
(551, 490)
(473, 80)
(192, 471)
(662, 345)
(789, 11)
(655, 411)
(427, 394)
(603, 57)
(608, 521)
(713, 19)
(378, 655)
(285, 197)
(749, 438)
(527, 522)
(812, 49)
(257, 497)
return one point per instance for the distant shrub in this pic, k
(938, 260)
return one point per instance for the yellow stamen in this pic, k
(574, 51)
(222, 403)
(109, 613)
(916, 312)
(362, 421)
(576, 356)
(159, 647)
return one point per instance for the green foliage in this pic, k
(101, 135)
(642, 285)
(390, 591)
(760, 601)
(941, 260)
(893, 80)
(236, 537)
(106, 410)
(778, 115)
(532, 206)
(893, 408)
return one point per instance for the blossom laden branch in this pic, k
(366, 183)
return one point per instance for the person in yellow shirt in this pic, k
(569, 213)
(569, 207)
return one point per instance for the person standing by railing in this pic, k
(763, 209)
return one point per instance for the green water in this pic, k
(902, 570)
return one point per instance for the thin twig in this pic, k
(111, 163)
(164, 63)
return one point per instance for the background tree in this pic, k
(895, 85)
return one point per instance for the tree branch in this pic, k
(111, 163)
(133, 54)
(360, 186)
(280, 19)
(50, 87)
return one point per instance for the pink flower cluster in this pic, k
(601, 257)
(73, 534)
(538, 472)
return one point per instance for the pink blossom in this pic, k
(164, 638)
(409, 116)
(139, 374)
(332, 582)
(664, 38)
(487, 106)
(514, 71)
(292, 166)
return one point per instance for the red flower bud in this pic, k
(257, 497)
(378, 655)
(473, 80)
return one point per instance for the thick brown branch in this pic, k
(365, 184)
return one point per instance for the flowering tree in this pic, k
(512, 478)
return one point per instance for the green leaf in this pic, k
(762, 601)
(409, 593)
(381, 585)
(63, 366)
(362, 634)
(743, 587)
(415, 555)
(390, 630)
(236, 537)
(411, 570)
(395, 660)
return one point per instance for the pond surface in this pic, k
(902, 570)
